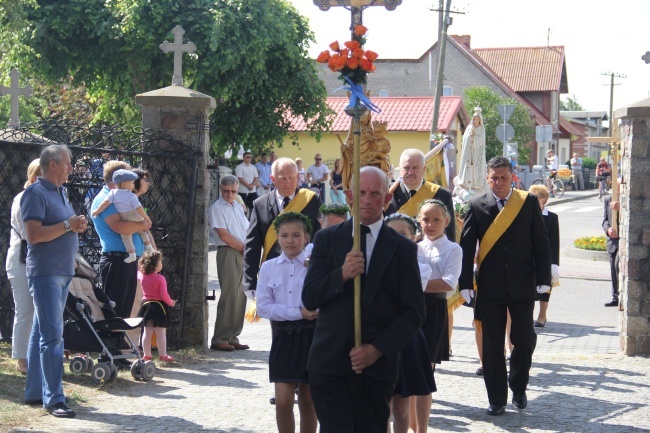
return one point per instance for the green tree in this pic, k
(251, 56)
(570, 103)
(521, 121)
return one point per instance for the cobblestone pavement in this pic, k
(579, 381)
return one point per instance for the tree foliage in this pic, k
(570, 103)
(251, 56)
(521, 121)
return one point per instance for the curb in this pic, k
(578, 253)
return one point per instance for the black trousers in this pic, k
(119, 281)
(248, 199)
(351, 404)
(613, 266)
(493, 314)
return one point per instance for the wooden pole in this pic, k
(356, 246)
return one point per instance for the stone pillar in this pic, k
(634, 246)
(180, 112)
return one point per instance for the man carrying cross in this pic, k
(261, 239)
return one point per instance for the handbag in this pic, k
(23, 247)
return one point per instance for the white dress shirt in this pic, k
(371, 239)
(279, 288)
(224, 215)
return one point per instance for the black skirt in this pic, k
(415, 372)
(154, 313)
(289, 350)
(436, 327)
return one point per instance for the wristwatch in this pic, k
(66, 225)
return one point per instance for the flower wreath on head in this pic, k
(288, 217)
(334, 208)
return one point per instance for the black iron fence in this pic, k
(172, 165)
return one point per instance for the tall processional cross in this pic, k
(15, 91)
(178, 48)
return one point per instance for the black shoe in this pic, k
(496, 410)
(612, 303)
(479, 371)
(60, 410)
(39, 402)
(520, 400)
(122, 364)
(272, 400)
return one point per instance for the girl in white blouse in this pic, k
(279, 292)
(445, 259)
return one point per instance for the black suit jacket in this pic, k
(265, 209)
(518, 262)
(612, 244)
(552, 223)
(400, 198)
(392, 301)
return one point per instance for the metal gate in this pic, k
(172, 166)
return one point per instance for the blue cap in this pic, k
(122, 175)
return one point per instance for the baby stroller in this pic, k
(90, 325)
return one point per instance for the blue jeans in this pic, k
(337, 196)
(45, 350)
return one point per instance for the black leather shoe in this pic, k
(60, 410)
(496, 410)
(520, 400)
(612, 303)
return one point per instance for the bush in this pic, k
(589, 163)
(593, 243)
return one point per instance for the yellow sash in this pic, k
(299, 202)
(426, 191)
(496, 230)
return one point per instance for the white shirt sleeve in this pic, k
(217, 218)
(451, 270)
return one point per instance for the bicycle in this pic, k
(516, 181)
(557, 186)
(602, 185)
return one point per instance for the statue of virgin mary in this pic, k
(472, 171)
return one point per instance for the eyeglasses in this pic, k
(318, 159)
(247, 156)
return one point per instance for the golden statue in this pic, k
(374, 147)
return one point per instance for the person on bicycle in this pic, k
(603, 171)
(553, 165)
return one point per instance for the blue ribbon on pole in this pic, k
(356, 92)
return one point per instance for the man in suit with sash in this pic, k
(261, 239)
(352, 387)
(514, 261)
(412, 190)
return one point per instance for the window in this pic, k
(383, 93)
(447, 91)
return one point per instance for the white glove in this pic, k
(250, 294)
(543, 289)
(555, 271)
(467, 295)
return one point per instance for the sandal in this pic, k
(166, 358)
(146, 358)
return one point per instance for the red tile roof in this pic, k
(401, 113)
(535, 69)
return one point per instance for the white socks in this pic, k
(131, 258)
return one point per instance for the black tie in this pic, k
(364, 231)
(412, 192)
(285, 202)
(503, 202)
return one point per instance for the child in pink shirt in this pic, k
(155, 304)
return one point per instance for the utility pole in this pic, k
(612, 75)
(443, 23)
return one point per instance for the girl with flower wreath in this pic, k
(279, 299)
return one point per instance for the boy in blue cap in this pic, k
(128, 206)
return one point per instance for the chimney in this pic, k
(465, 40)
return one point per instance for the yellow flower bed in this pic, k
(593, 243)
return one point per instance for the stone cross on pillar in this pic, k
(178, 48)
(15, 91)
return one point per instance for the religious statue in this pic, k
(472, 171)
(374, 147)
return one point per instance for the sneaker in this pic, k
(60, 410)
(166, 358)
